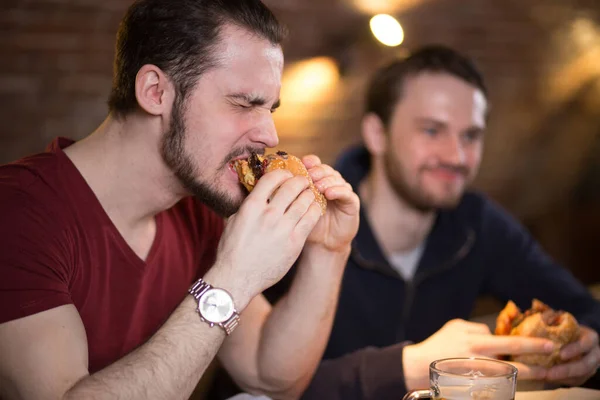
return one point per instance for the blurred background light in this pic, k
(309, 80)
(387, 30)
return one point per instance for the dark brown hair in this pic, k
(385, 88)
(179, 37)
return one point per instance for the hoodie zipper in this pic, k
(411, 286)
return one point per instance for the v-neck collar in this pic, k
(88, 197)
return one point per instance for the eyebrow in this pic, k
(254, 100)
(425, 120)
(441, 124)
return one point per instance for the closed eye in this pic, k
(246, 101)
(239, 107)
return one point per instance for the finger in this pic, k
(477, 327)
(513, 345)
(308, 220)
(322, 171)
(329, 181)
(346, 200)
(530, 372)
(267, 184)
(311, 161)
(340, 193)
(583, 367)
(526, 372)
(300, 206)
(288, 192)
(587, 341)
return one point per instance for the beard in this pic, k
(415, 194)
(186, 171)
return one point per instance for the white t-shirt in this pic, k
(405, 263)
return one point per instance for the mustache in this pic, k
(455, 169)
(241, 151)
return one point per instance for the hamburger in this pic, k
(252, 169)
(539, 321)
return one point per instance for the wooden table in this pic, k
(560, 394)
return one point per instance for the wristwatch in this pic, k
(215, 306)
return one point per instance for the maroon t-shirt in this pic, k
(58, 246)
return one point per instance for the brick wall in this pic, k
(541, 59)
(55, 70)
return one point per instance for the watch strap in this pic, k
(199, 288)
(231, 323)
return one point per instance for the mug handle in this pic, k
(418, 394)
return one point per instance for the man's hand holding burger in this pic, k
(292, 203)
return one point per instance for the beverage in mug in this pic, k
(461, 394)
(468, 379)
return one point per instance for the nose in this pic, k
(264, 132)
(453, 151)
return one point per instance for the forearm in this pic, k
(297, 330)
(366, 374)
(168, 366)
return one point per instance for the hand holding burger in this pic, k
(539, 321)
(577, 356)
(338, 203)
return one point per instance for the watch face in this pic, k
(216, 305)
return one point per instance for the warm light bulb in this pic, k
(309, 80)
(387, 30)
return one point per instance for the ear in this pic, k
(374, 134)
(153, 90)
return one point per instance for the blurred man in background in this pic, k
(427, 248)
(101, 240)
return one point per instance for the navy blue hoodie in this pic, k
(474, 249)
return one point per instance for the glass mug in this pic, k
(468, 379)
